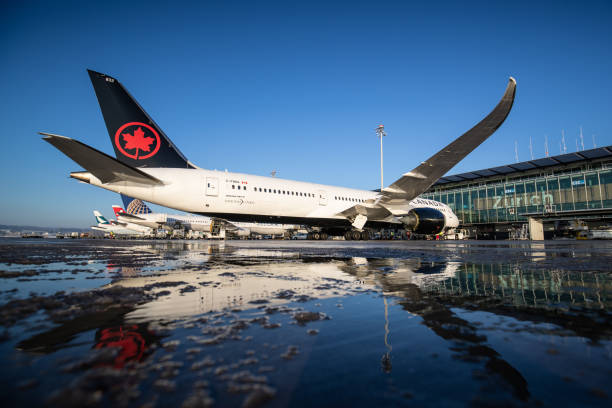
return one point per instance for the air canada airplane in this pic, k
(150, 167)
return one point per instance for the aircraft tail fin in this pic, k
(138, 141)
(100, 219)
(135, 206)
(117, 210)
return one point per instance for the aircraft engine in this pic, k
(243, 232)
(424, 221)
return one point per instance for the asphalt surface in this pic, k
(302, 323)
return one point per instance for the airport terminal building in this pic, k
(546, 193)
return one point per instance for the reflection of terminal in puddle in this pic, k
(538, 253)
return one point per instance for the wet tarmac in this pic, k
(297, 323)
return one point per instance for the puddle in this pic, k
(297, 324)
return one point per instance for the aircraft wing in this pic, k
(101, 165)
(417, 181)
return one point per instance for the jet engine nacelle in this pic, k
(424, 221)
(242, 232)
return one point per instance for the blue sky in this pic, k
(296, 87)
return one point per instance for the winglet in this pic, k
(417, 181)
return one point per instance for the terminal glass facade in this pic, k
(506, 201)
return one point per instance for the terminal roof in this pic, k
(584, 155)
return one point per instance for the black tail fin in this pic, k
(136, 138)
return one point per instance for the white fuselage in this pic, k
(116, 229)
(240, 197)
(133, 227)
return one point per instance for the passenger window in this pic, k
(233, 187)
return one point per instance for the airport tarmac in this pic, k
(303, 323)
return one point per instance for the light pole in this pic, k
(380, 132)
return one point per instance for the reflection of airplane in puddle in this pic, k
(132, 342)
(407, 280)
(225, 286)
(402, 271)
(201, 252)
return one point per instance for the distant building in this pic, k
(493, 202)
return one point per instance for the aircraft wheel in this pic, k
(365, 235)
(316, 236)
(324, 236)
(355, 235)
(347, 235)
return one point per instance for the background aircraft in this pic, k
(137, 212)
(117, 228)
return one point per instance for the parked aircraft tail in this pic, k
(138, 141)
(135, 206)
(118, 210)
(100, 219)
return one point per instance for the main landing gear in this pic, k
(355, 235)
(352, 235)
(316, 235)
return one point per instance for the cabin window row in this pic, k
(355, 200)
(278, 191)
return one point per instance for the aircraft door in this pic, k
(212, 186)
(322, 197)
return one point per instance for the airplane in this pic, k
(148, 166)
(139, 213)
(112, 228)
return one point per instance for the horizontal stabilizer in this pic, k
(417, 181)
(101, 165)
(130, 216)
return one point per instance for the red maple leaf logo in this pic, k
(137, 141)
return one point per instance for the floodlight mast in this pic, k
(380, 132)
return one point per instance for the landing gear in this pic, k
(357, 235)
(316, 236)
